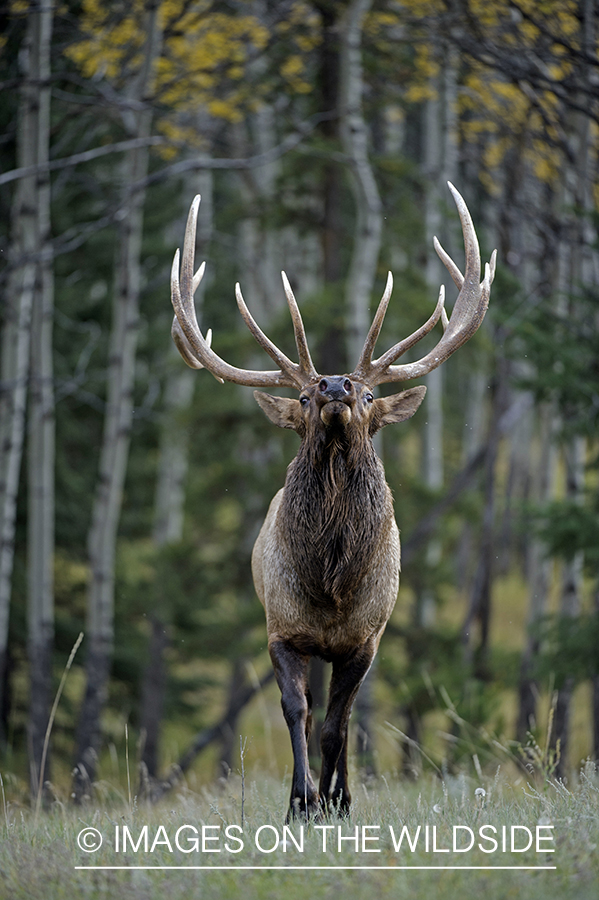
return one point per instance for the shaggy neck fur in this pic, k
(335, 506)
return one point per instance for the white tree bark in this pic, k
(260, 244)
(117, 425)
(440, 165)
(369, 216)
(32, 135)
(170, 500)
(40, 518)
(575, 267)
(539, 574)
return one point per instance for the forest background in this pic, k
(321, 136)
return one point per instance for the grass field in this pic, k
(243, 826)
(242, 823)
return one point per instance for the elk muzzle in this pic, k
(335, 396)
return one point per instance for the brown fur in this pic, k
(333, 509)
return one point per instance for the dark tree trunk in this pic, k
(539, 569)
(570, 604)
(40, 681)
(411, 758)
(152, 698)
(527, 693)
(332, 356)
(328, 82)
(363, 709)
(229, 733)
(41, 439)
(480, 599)
(97, 670)
(595, 700)
(5, 697)
(560, 732)
(596, 718)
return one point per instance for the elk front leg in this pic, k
(348, 674)
(291, 672)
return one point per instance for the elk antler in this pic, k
(195, 348)
(468, 313)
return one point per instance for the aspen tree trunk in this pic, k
(369, 212)
(117, 429)
(170, 500)
(332, 354)
(260, 244)
(576, 268)
(513, 549)
(479, 608)
(40, 539)
(570, 603)
(440, 141)
(516, 240)
(473, 439)
(595, 700)
(17, 318)
(539, 566)
(542, 469)
(439, 165)
(363, 266)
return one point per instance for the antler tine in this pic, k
(305, 360)
(184, 347)
(472, 301)
(283, 361)
(375, 329)
(370, 370)
(458, 278)
(190, 341)
(381, 364)
(466, 317)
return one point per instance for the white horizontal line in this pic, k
(362, 868)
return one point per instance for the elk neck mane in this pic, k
(335, 506)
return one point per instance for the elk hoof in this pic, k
(338, 805)
(301, 810)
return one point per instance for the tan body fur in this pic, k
(324, 630)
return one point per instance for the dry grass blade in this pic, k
(40, 786)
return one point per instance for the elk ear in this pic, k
(396, 408)
(281, 411)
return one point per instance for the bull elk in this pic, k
(326, 562)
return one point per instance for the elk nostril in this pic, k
(347, 385)
(323, 385)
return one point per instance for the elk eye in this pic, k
(304, 401)
(368, 397)
(347, 385)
